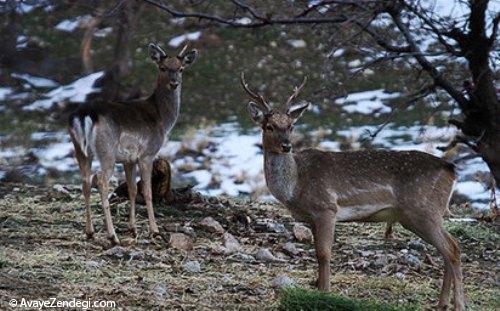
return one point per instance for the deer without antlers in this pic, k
(321, 188)
(130, 133)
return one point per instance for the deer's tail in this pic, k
(81, 130)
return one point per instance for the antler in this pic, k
(181, 53)
(296, 92)
(257, 97)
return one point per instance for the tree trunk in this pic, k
(86, 46)
(111, 82)
(483, 119)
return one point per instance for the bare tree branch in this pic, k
(262, 21)
(438, 32)
(427, 66)
(494, 29)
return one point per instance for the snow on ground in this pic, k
(177, 41)
(37, 82)
(69, 25)
(367, 102)
(75, 92)
(297, 43)
(5, 92)
(221, 160)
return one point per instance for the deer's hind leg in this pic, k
(130, 174)
(85, 164)
(103, 177)
(430, 228)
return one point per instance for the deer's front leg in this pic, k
(324, 226)
(146, 167)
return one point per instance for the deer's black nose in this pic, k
(286, 147)
(174, 84)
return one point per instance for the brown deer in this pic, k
(321, 188)
(131, 133)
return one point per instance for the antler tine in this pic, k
(257, 97)
(296, 92)
(184, 49)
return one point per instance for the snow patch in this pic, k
(69, 25)
(5, 92)
(37, 82)
(367, 102)
(297, 43)
(177, 41)
(75, 92)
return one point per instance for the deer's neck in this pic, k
(168, 102)
(281, 175)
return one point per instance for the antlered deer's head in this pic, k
(276, 123)
(171, 67)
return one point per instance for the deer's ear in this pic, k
(156, 53)
(295, 112)
(255, 112)
(189, 57)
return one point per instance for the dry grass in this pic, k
(43, 253)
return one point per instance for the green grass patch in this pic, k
(309, 300)
(477, 232)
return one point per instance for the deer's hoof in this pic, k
(89, 234)
(153, 234)
(390, 236)
(114, 239)
(153, 231)
(133, 231)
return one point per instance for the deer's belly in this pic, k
(131, 148)
(366, 213)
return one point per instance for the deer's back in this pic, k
(127, 114)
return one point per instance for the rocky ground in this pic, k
(218, 253)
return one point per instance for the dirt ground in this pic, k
(44, 253)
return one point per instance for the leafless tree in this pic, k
(397, 28)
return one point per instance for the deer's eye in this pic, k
(290, 127)
(270, 128)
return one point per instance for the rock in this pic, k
(242, 257)
(302, 233)
(219, 250)
(282, 281)
(400, 275)
(192, 266)
(181, 241)
(188, 231)
(160, 292)
(276, 227)
(92, 264)
(291, 249)
(366, 253)
(60, 188)
(264, 254)
(231, 244)
(116, 251)
(412, 260)
(416, 245)
(380, 261)
(211, 225)
(136, 255)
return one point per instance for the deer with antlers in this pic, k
(130, 133)
(322, 188)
